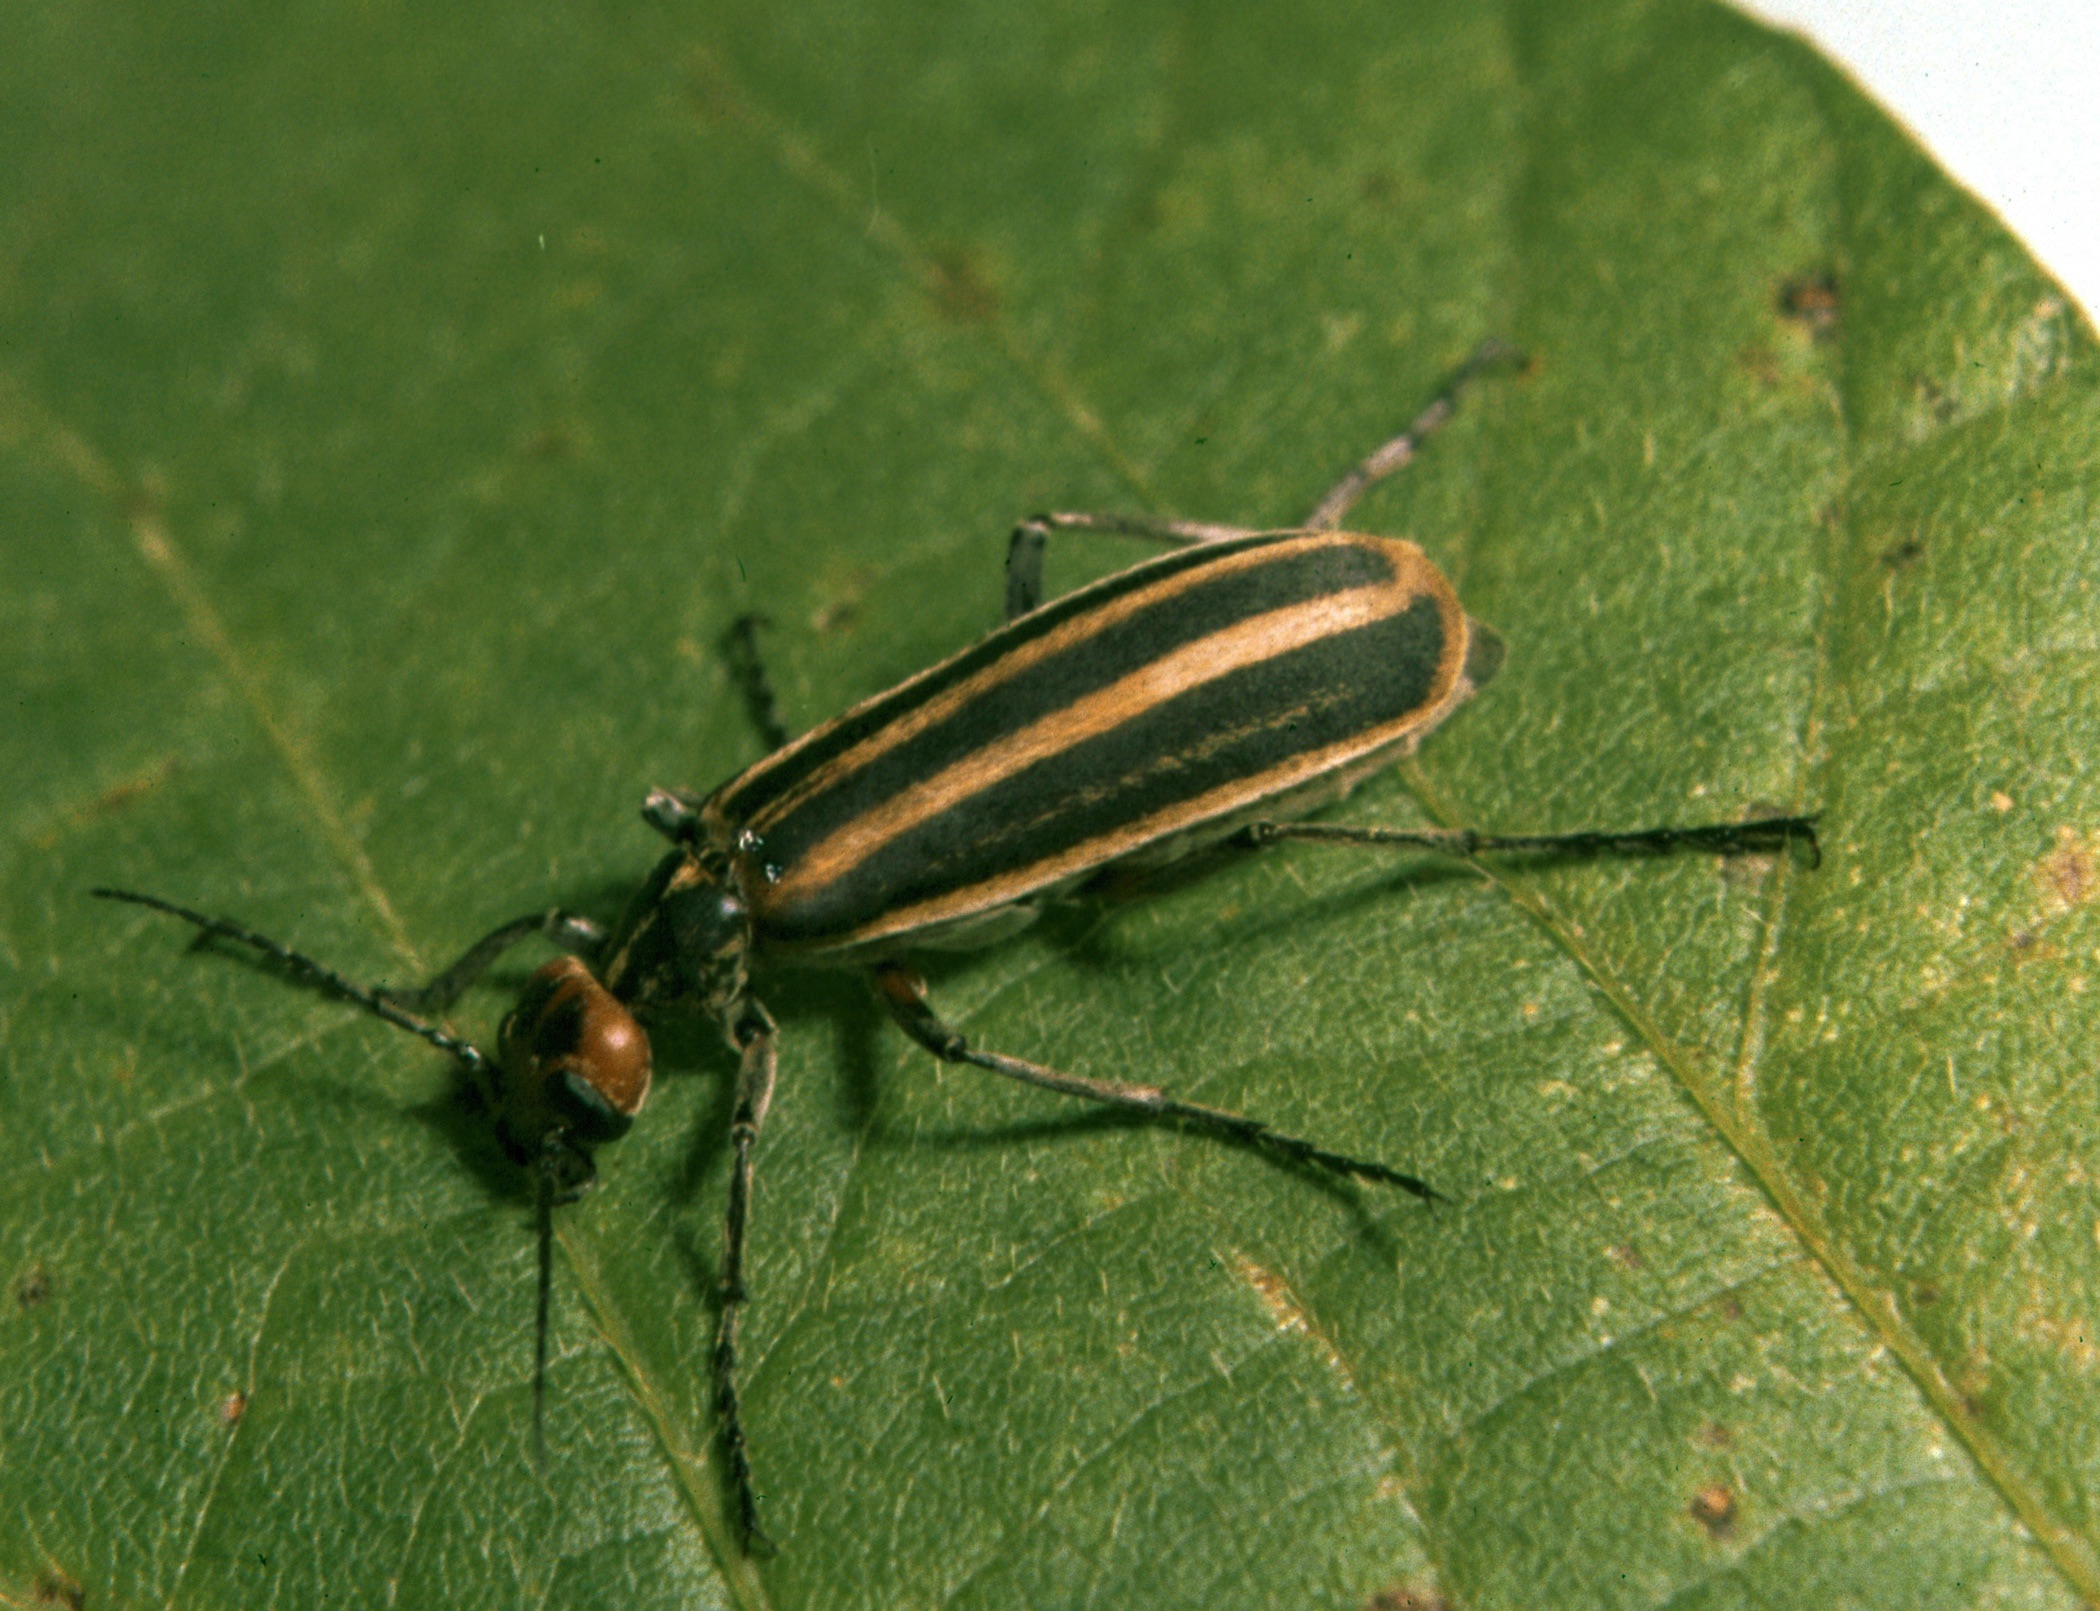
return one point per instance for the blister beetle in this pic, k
(1213, 694)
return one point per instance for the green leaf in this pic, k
(395, 408)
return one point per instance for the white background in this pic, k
(2004, 93)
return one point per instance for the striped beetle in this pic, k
(1209, 696)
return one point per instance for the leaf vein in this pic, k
(798, 155)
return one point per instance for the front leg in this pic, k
(578, 936)
(753, 1033)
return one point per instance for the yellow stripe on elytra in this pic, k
(1362, 753)
(1248, 643)
(1065, 636)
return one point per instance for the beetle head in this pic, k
(575, 1069)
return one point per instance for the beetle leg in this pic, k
(904, 994)
(1024, 553)
(1024, 567)
(577, 935)
(1396, 454)
(748, 668)
(562, 1172)
(1758, 836)
(753, 1033)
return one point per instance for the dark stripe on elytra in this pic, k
(1231, 729)
(1205, 606)
(640, 953)
(746, 796)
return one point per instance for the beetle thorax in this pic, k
(685, 937)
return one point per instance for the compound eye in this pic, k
(575, 1054)
(585, 1107)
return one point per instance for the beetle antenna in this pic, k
(545, 1176)
(319, 974)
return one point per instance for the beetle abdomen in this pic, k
(1167, 697)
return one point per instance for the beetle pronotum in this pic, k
(1210, 695)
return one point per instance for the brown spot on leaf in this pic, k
(836, 616)
(1714, 1435)
(1284, 1308)
(2066, 873)
(1972, 1380)
(1925, 1295)
(119, 795)
(110, 801)
(842, 610)
(1904, 551)
(543, 447)
(55, 1588)
(1811, 300)
(958, 287)
(232, 1407)
(1404, 1597)
(1713, 1507)
(34, 1286)
(1275, 1294)
(1625, 1255)
(1933, 401)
